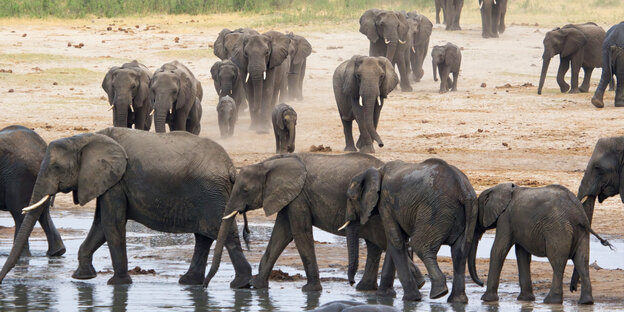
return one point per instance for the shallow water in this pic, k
(41, 283)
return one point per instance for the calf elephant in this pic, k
(420, 31)
(361, 85)
(176, 96)
(547, 222)
(299, 51)
(424, 205)
(388, 33)
(228, 41)
(128, 93)
(577, 45)
(21, 153)
(304, 190)
(174, 182)
(446, 59)
(613, 37)
(492, 17)
(227, 115)
(284, 122)
(229, 81)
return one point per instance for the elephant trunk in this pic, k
(433, 64)
(391, 50)
(256, 109)
(160, 120)
(587, 195)
(121, 111)
(224, 231)
(543, 75)
(367, 116)
(472, 257)
(291, 135)
(353, 249)
(226, 89)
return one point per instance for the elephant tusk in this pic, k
(264, 75)
(494, 2)
(131, 110)
(230, 215)
(35, 205)
(413, 50)
(379, 101)
(152, 112)
(584, 199)
(247, 78)
(360, 101)
(386, 41)
(344, 226)
(480, 4)
(402, 42)
(110, 108)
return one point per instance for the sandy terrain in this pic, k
(498, 133)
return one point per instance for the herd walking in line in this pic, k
(396, 207)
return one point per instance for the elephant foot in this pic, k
(584, 89)
(26, 252)
(553, 298)
(485, 35)
(366, 285)
(120, 280)
(574, 90)
(312, 287)
(367, 149)
(438, 290)
(586, 299)
(386, 292)
(258, 283)
(619, 103)
(416, 79)
(597, 102)
(494, 35)
(56, 251)
(412, 296)
(86, 271)
(489, 297)
(191, 279)
(526, 297)
(454, 89)
(350, 149)
(406, 88)
(457, 298)
(564, 88)
(442, 91)
(241, 281)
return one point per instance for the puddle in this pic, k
(40, 283)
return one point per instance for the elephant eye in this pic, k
(357, 76)
(382, 76)
(267, 53)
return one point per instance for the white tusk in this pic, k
(480, 4)
(230, 215)
(386, 41)
(35, 205)
(584, 199)
(132, 110)
(110, 108)
(494, 1)
(152, 112)
(344, 226)
(264, 75)
(220, 90)
(360, 101)
(402, 42)
(413, 50)
(247, 78)
(231, 92)
(379, 101)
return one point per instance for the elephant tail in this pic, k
(603, 241)
(246, 232)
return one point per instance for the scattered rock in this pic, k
(479, 130)
(103, 98)
(176, 39)
(505, 144)
(71, 89)
(24, 35)
(7, 71)
(11, 90)
(69, 44)
(431, 150)
(279, 275)
(136, 26)
(83, 129)
(109, 28)
(461, 49)
(138, 271)
(528, 84)
(483, 85)
(79, 46)
(55, 83)
(37, 69)
(320, 148)
(334, 47)
(464, 136)
(103, 41)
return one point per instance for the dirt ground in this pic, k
(495, 128)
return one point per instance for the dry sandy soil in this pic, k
(499, 132)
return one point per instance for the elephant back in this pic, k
(18, 142)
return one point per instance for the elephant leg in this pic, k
(179, 122)
(376, 114)
(586, 79)
(55, 242)
(444, 79)
(242, 268)
(347, 126)
(278, 147)
(281, 236)
(564, 64)
(18, 218)
(403, 72)
(485, 21)
(455, 77)
(502, 12)
(438, 280)
(113, 205)
(400, 260)
(524, 274)
(300, 77)
(369, 279)
(612, 84)
(495, 20)
(576, 61)
(386, 283)
(581, 265)
(555, 295)
(619, 90)
(458, 292)
(301, 227)
(500, 249)
(195, 273)
(94, 240)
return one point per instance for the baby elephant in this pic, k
(284, 122)
(547, 222)
(228, 114)
(446, 59)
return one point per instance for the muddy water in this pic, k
(40, 283)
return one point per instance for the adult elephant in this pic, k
(304, 190)
(128, 93)
(578, 45)
(21, 153)
(300, 49)
(439, 5)
(388, 33)
(452, 12)
(174, 182)
(420, 31)
(424, 206)
(261, 57)
(228, 40)
(229, 81)
(613, 37)
(492, 17)
(176, 96)
(361, 85)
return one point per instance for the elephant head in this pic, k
(226, 76)
(299, 50)
(172, 89)
(271, 185)
(563, 41)
(127, 88)
(87, 165)
(391, 26)
(420, 28)
(368, 81)
(228, 40)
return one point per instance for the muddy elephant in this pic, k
(578, 46)
(229, 81)
(128, 93)
(452, 12)
(361, 85)
(171, 182)
(228, 40)
(304, 190)
(21, 153)
(300, 49)
(227, 115)
(284, 120)
(446, 59)
(546, 222)
(388, 33)
(176, 97)
(420, 31)
(492, 17)
(422, 205)
(613, 37)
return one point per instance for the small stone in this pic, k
(11, 90)
(69, 44)
(71, 89)
(109, 28)
(505, 144)
(483, 85)
(24, 35)
(55, 83)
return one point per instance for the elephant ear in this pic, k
(102, 165)
(369, 184)
(304, 49)
(279, 48)
(350, 84)
(493, 202)
(219, 44)
(285, 178)
(187, 92)
(280, 117)
(143, 91)
(107, 83)
(368, 25)
(574, 40)
(391, 79)
(214, 72)
(238, 56)
(403, 26)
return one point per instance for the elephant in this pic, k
(422, 205)
(174, 182)
(446, 59)
(439, 4)
(452, 12)
(393, 30)
(578, 45)
(227, 116)
(613, 37)
(229, 81)
(304, 190)
(617, 65)
(360, 86)
(228, 40)
(21, 153)
(128, 93)
(353, 306)
(300, 49)
(284, 123)
(176, 96)
(420, 31)
(261, 58)
(492, 17)
(547, 222)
